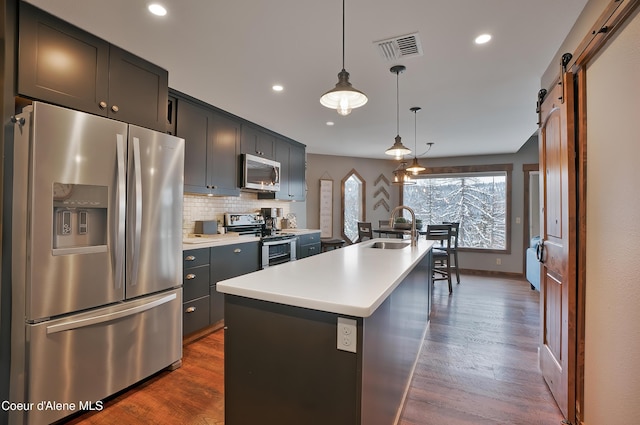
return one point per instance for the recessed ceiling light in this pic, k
(157, 9)
(277, 87)
(483, 38)
(330, 123)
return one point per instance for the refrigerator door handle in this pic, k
(95, 320)
(137, 170)
(120, 210)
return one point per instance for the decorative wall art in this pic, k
(382, 193)
(326, 208)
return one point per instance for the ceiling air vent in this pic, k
(405, 46)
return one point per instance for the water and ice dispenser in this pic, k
(79, 218)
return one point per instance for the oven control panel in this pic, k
(243, 219)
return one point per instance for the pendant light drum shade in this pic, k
(343, 97)
(398, 150)
(415, 167)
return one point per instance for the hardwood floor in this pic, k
(479, 360)
(478, 366)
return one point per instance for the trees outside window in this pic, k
(479, 200)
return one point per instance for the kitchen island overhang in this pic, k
(286, 358)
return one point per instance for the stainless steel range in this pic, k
(276, 247)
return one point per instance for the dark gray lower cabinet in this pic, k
(203, 268)
(308, 245)
(229, 261)
(216, 305)
(195, 315)
(195, 290)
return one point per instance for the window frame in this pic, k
(451, 171)
(362, 216)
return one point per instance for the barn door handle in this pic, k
(540, 251)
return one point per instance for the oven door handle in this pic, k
(278, 242)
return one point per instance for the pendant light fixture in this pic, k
(343, 97)
(398, 150)
(401, 176)
(415, 167)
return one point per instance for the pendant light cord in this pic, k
(398, 103)
(415, 132)
(343, 34)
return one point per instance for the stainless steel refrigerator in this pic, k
(96, 259)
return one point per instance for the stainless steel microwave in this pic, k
(260, 173)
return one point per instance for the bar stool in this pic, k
(364, 230)
(327, 244)
(455, 229)
(441, 255)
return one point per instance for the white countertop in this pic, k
(204, 242)
(226, 239)
(300, 231)
(353, 280)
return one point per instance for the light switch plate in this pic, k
(347, 334)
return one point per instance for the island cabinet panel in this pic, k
(64, 65)
(226, 262)
(211, 147)
(282, 366)
(283, 360)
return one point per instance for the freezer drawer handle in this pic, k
(190, 310)
(109, 316)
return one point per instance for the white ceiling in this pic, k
(475, 99)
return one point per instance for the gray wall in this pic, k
(336, 167)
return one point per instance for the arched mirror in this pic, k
(353, 205)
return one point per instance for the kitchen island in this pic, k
(330, 339)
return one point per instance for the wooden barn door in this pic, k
(557, 253)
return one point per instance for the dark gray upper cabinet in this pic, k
(257, 142)
(62, 64)
(297, 172)
(211, 148)
(291, 156)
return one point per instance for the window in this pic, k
(477, 197)
(353, 206)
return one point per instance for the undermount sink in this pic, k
(390, 245)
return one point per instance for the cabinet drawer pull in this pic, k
(191, 276)
(103, 105)
(190, 309)
(190, 258)
(237, 250)
(115, 108)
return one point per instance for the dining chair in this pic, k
(364, 230)
(383, 224)
(441, 255)
(455, 228)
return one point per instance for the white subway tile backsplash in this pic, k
(199, 207)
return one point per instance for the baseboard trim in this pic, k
(493, 273)
(186, 340)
